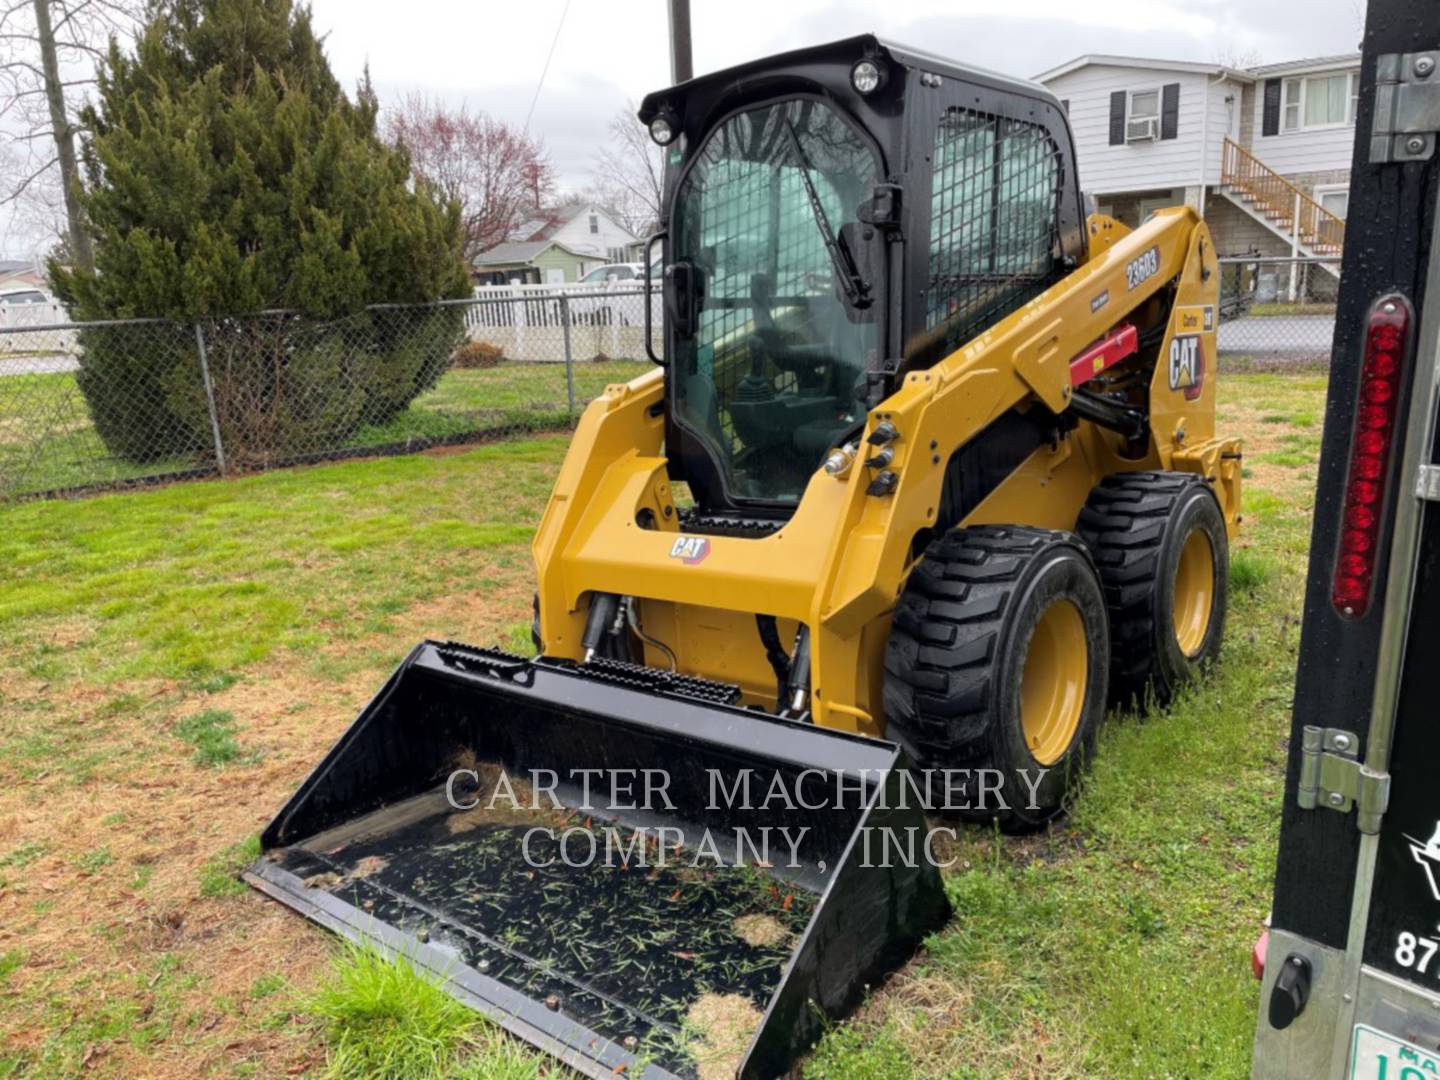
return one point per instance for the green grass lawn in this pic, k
(47, 440)
(173, 662)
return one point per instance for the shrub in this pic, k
(477, 354)
(228, 175)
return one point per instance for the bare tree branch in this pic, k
(24, 184)
(48, 50)
(495, 173)
(628, 173)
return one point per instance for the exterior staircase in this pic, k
(1277, 203)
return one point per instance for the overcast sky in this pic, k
(490, 53)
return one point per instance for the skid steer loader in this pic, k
(927, 472)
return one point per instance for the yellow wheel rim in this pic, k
(1052, 683)
(1194, 592)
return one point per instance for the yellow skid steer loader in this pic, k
(926, 474)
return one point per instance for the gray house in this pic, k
(532, 262)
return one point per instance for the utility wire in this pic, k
(545, 70)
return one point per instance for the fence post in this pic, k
(522, 319)
(210, 399)
(1294, 245)
(569, 356)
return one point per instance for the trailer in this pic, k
(1351, 967)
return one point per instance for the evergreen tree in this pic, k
(229, 174)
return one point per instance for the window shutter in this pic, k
(1117, 118)
(1270, 120)
(1169, 110)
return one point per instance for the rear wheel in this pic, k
(1159, 541)
(997, 661)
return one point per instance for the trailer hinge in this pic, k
(1407, 107)
(1427, 483)
(1331, 775)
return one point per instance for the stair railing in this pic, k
(1294, 212)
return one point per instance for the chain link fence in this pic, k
(1276, 312)
(88, 406)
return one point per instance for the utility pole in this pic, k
(64, 135)
(682, 65)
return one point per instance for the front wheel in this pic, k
(996, 671)
(1159, 541)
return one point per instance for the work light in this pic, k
(866, 77)
(661, 130)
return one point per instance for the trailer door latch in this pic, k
(1407, 107)
(1331, 775)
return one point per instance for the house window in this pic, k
(1335, 198)
(1320, 101)
(1144, 104)
(594, 223)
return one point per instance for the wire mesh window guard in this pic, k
(993, 222)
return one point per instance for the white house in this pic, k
(1263, 152)
(583, 227)
(558, 244)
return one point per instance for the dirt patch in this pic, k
(723, 1025)
(761, 931)
(123, 892)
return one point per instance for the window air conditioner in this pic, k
(1142, 129)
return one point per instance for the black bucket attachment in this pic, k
(646, 880)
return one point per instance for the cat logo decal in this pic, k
(690, 549)
(1187, 365)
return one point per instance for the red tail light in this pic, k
(1387, 333)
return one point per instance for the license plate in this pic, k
(1375, 1055)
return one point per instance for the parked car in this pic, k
(614, 272)
(27, 305)
(24, 296)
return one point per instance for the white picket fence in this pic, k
(41, 352)
(545, 323)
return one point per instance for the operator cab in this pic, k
(802, 193)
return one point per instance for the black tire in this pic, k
(957, 654)
(1137, 526)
